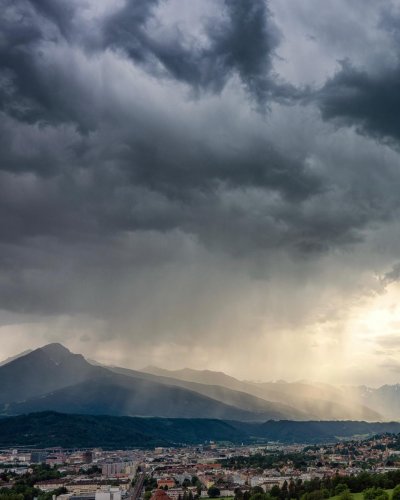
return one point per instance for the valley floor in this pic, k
(360, 496)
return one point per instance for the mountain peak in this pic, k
(44, 370)
(54, 346)
(56, 351)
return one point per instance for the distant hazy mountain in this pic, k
(320, 401)
(260, 408)
(386, 399)
(52, 378)
(316, 401)
(200, 376)
(114, 394)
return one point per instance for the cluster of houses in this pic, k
(189, 472)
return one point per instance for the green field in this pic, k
(356, 496)
(359, 496)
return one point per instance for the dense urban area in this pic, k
(366, 469)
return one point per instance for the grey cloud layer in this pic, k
(135, 153)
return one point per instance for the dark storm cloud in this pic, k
(246, 43)
(126, 29)
(59, 12)
(368, 101)
(19, 34)
(56, 127)
(32, 88)
(91, 154)
(195, 166)
(364, 92)
(242, 42)
(42, 102)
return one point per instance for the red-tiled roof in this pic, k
(160, 495)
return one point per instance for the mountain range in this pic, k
(313, 401)
(53, 378)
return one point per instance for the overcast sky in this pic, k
(203, 183)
